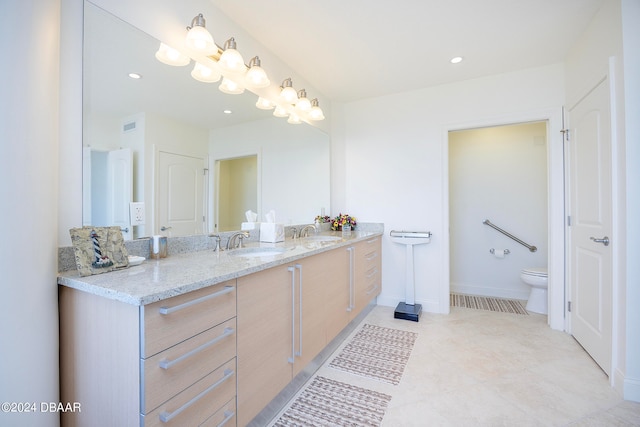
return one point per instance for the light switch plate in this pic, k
(136, 212)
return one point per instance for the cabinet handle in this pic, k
(372, 255)
(165, 416)
(293, 314)
(374, 240)
(227, 416)
(372, 272)
(351, 296)
(299, 354)
(166, 364)
(169, 310)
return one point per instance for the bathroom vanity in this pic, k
(208, 338)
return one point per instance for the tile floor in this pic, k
(480, 368)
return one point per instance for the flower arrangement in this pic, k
(322, 219)
(341, 220)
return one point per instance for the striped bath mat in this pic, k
(327, 402)
(487, 303)
(376, 352)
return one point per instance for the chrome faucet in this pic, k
(218, 239)
(235, 241)
(294, 233)
(305, 230)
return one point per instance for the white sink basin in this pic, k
(256, 252)
(322, 238)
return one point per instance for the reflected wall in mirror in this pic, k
(167, 111)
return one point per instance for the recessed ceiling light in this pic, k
(227, 111)
(456, 59)
(135, 76)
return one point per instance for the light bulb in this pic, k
(280, 112)
(294, 119)
(316, 112)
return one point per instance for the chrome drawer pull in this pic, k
(372, 289)
(372, 255)
(227, 416)
(165, 416)
(166, 364)
(299, 354)
(169, 310)
(292, 359)
(372, 272)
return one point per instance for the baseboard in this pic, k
(459, 288)
(631, 389)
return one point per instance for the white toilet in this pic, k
(537, 278)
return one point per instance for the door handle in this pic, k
(163, 228)
(604, 240)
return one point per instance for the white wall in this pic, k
(396, 163)
(29, 194)
(500, 174)
(631, 301)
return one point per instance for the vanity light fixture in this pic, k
(230, 87)
(198, 38)
(316, 112)
(280, 112)
(303, 103)
(264, 104)
(170, 56)
(288, 93)
(205, 74)
(231, 60)
(256, 76)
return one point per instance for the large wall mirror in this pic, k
(158, 150)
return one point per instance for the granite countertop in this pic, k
(155, 280)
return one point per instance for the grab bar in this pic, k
(509, 235)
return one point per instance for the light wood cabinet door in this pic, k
(310, 329)
(264, 339)
(337, 291)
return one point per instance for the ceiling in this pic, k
(355, 49)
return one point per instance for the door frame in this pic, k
(556, 206)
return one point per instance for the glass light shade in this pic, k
(230, 87)
(205, 74)
(280, 112)
(200, 40)
(316, 112)
(264, 104)
(170, 56)
(303, 104)
(231, 60)
(294, 119)
(289, 95)
(256, 77)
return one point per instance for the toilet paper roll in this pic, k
(499, 253)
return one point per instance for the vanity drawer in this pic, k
(226, 416)
(173, 370)
(197, 403)
(176, 319)
(370, 253)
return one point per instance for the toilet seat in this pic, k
(535, 271)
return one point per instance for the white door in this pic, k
(590, 230)
(180, 193)
(120, 189)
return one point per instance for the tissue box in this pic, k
(271, 232)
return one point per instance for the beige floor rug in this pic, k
(376, 352)
(326, 402)
(487, 303)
